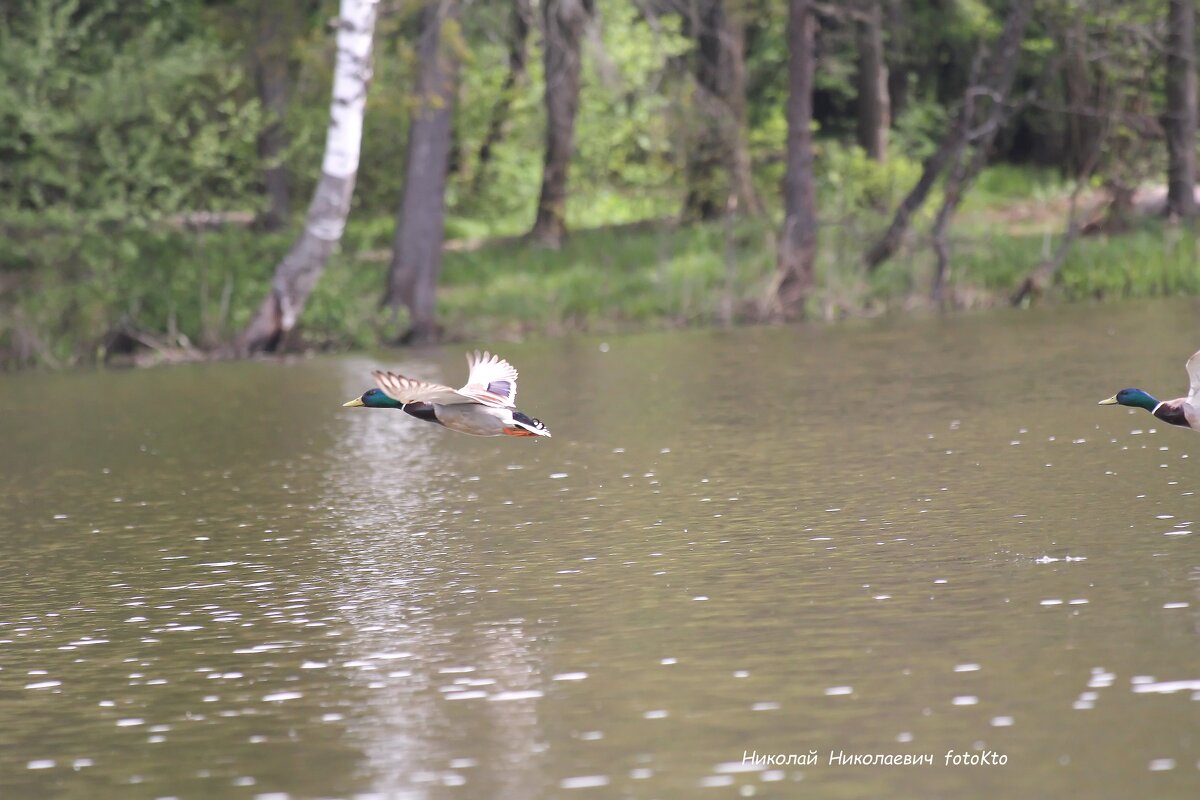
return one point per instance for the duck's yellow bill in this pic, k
(1112, 401)
(356, 402)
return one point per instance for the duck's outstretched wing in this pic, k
(1193, 371)
(492, 380)
(410, 390)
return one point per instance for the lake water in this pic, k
(889, 538)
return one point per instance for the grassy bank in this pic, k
(166, 287)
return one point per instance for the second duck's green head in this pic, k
(1131, 397)
(373, 398)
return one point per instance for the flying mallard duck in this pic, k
(1185, 411)
(484, 407)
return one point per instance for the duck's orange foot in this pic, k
(517, 432)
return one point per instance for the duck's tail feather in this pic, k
(531, 424)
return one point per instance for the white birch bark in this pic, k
(297, 273)
(351, 76)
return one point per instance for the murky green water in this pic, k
(897, 537)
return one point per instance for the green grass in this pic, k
(612, 279)
(64, 288)
(1002, 184)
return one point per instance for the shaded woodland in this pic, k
(244, 176)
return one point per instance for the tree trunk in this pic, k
(706, 192)
(1180, 117)
(720, 144)
(564, 22)
(518, 59)
(740, 168)
(949, 149)
(798, 237)
(271, 78)
(957, 183)
(1037, 280)
(297, 274)
(995, 88)
(874, 103)
(897, 20)
(420, 225)
(963, 175)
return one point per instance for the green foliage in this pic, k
(172, 284)
(625, 129)
(626, 164)
(917, 129)
(118, 118)
(169, 283)
(1008, 186)
(498, 197)
(1148, 262)
(851, 183)
(111, 120)
(130, 129)
(603, 280)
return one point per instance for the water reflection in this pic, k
(398, 555)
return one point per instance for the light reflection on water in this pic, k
(889, 537)
(398, 570)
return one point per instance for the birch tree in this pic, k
(298, 272)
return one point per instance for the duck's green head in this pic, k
(373, 398)
(1131, 397)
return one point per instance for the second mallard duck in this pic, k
(484, 407)
(1184, 411)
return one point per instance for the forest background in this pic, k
(175, 181)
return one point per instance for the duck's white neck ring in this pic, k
(1156, 408)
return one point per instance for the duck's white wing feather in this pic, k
(1193, 370)
(410, 390)
(492, 380)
